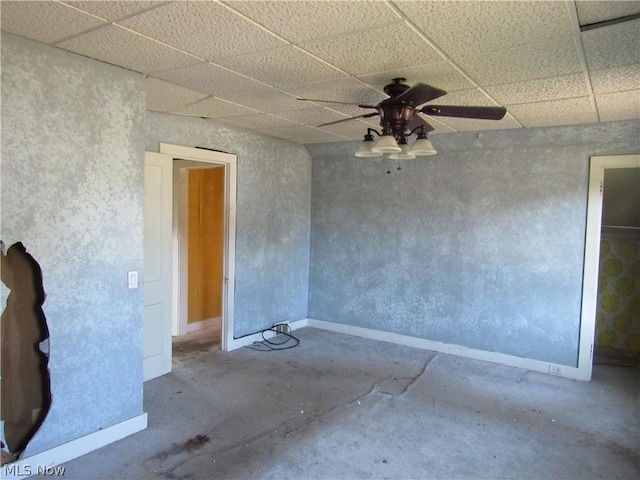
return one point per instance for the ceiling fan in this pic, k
(399, 119)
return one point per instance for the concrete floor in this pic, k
(341, 407)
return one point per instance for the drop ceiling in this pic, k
(244, 63)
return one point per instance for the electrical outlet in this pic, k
(555, 369)
(282, 327)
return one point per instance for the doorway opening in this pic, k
(203, 244)
(610, 286)
(199, 190)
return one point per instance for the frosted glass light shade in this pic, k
(405, 154)
(365, 150)
(422, 147)
(386, 144)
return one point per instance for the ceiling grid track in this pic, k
(577, 35)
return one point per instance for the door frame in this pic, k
(598, 165)
(229, 161)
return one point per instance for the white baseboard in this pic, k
(424, 344)
(201, 325)
(256, 337)
(44, 462)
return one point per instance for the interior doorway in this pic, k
(204, 192)
(617, 333)
(199, 193)
(603, 230)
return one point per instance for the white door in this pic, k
(158, 210)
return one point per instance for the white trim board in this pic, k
(592, 255)
(424, 344)
(75, 448)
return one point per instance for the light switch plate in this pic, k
(132, 278)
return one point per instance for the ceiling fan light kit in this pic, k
(365, 149)
(399, 119)
(423, 146)
(405, 152)
(386, 144)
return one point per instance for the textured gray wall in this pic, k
(273, 216)
(481, 245)
(72, 192)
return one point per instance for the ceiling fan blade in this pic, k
(420, 93)
(417, 121)
(483, 113)
(339, 103)
(366, 115)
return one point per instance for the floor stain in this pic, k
(196, 443)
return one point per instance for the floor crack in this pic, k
(264, 433)
(414, 379)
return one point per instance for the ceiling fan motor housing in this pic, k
(394, 117)
(396, 88)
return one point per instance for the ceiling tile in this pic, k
(464, 97)
(437, 125)
(304, 134)
(281, 66)
(619, 106)
(599, 11)
(163, 96)
(612, 46)
(310, 116)
(354, 111)
(343, 90)
(479, 28)
(376, 50)
(618, 79)
(565, 86)
(552, 121)
(523, 63)
(260, 121)
(122, 47)
(267, 99)
(553, 108)
(441, 74)
(412, 8)
(111, 10)
(206, 29)
(47, 22)
(472, 125)
(210, 79)
(300, 21)
(353, 130)
(214, 108)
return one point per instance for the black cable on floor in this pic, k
(268, 345)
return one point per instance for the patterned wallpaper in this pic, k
(618, 317)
